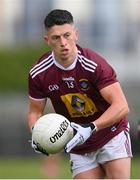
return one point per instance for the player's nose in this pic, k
(63, 41)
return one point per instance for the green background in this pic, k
(15, 64)
(30, 168)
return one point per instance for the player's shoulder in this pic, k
(90, 54)
(42, 64)
(43, 58)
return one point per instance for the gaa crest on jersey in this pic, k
(84, 84)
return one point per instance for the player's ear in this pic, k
(76, 34)
(46, 39)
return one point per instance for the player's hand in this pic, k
(83, 132)
(38, 149)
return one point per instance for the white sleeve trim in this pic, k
(37, 99)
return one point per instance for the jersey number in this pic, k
(70, 84)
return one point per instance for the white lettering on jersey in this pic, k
(68, 79)
(70, 84)
(53, 87)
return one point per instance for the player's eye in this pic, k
(67, 35)
(55, 37)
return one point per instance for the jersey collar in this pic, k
(72, 66)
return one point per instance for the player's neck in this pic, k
(66, 62)
(66, 67)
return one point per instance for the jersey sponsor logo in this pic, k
(79, 105)
(84, 84)
(53, 87)
(87, 64)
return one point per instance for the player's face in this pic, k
(62, 40)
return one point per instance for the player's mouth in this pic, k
(65, 51)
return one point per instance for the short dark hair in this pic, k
(58, 17)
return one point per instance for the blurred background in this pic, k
(110, 27)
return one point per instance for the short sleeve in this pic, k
(35, 88)
(105, 75)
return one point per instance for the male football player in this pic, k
(84, 88)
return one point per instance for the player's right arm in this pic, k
(36, 109)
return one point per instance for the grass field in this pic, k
(29, 168)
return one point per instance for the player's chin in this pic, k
(64, 57)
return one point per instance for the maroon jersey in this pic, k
(75, 92)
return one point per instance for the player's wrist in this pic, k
(93, 127)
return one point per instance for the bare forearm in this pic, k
(112, 115)
(36, 109)
(32, 118)
(118, 108)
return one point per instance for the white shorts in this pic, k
(118, 147)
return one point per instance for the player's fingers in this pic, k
(72, 143)
(75, 126)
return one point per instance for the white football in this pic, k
(52, 132)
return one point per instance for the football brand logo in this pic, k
(60, 132)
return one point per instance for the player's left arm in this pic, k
(118, 108)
